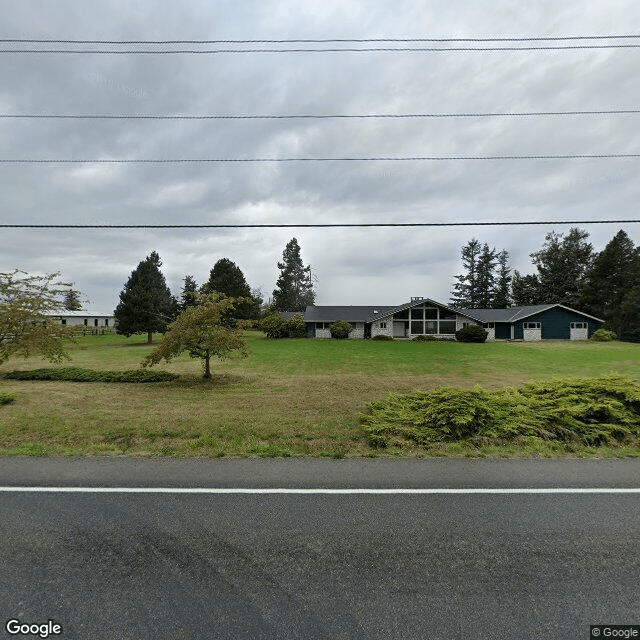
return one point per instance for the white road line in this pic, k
(321, 491)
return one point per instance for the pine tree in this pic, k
(525, 290)
(614, 270)
(72, 300)
(146, 304)
(227, 279)
(188, 293)
(486, 279)
(294, 290)
(501, 294)
(562, 264)
(465, 291)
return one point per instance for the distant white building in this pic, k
(85, 319)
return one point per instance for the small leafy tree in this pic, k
(203, 332)
(26, 325)
(296, 326)
(340, 329)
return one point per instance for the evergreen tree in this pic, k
(294, 290)
(626, 319)
(72, 300)
(607, 284)
(465, 291)
(146, 304)
(562, 264)
(525, 290)
(227, 279)
(188, 294)
(486, 279)
(501, 294)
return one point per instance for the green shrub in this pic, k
(381, 336)
(424, 338)
(296, 327)
(7, 398)
(76, 374)
(274, 326)
(585, 411)
(340, 329)
(471, 333)
(603, 335)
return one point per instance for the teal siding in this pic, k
(556, 324)
(503, 331)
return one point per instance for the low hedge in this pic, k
(77, 374)
(585, 411)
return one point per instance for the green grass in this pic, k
(288, 398)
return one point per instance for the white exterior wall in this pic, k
(491, 334)
(532, 335)
(78, 321)
(579, 334)
(377, 330)
(356, 332)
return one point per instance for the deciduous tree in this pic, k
(203, 332)
(27, 327)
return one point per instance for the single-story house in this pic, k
(82, 319)
(424, 316)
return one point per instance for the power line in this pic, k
(325, 225)
(325, 116)
(600, 156)
(323, 50)
(325, 40)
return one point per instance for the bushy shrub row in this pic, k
(471, 333)
(275, 326)
(77, 374)
(381, 337)
(340, 329)
(586, 411)
(603, 335)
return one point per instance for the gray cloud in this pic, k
(354, 266)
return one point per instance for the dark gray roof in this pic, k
(349, 313)
(287, 315)
(513, 314)
(413, 303)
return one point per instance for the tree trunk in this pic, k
(149, 337)
(207, 370)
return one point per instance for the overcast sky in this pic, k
(356, 266)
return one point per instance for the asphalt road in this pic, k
(304, 566)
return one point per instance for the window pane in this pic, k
(447, 326)
(402, 315)
(416, 314)
(447, 315)
(431, 327)
(417, 327)
(431, 314)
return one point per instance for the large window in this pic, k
(447, 326)
(429, 320)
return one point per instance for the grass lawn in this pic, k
(288, 398)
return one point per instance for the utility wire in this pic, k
(326, 225)
(324, 116)
(601, 156)
(323, 50)
(325, 40)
